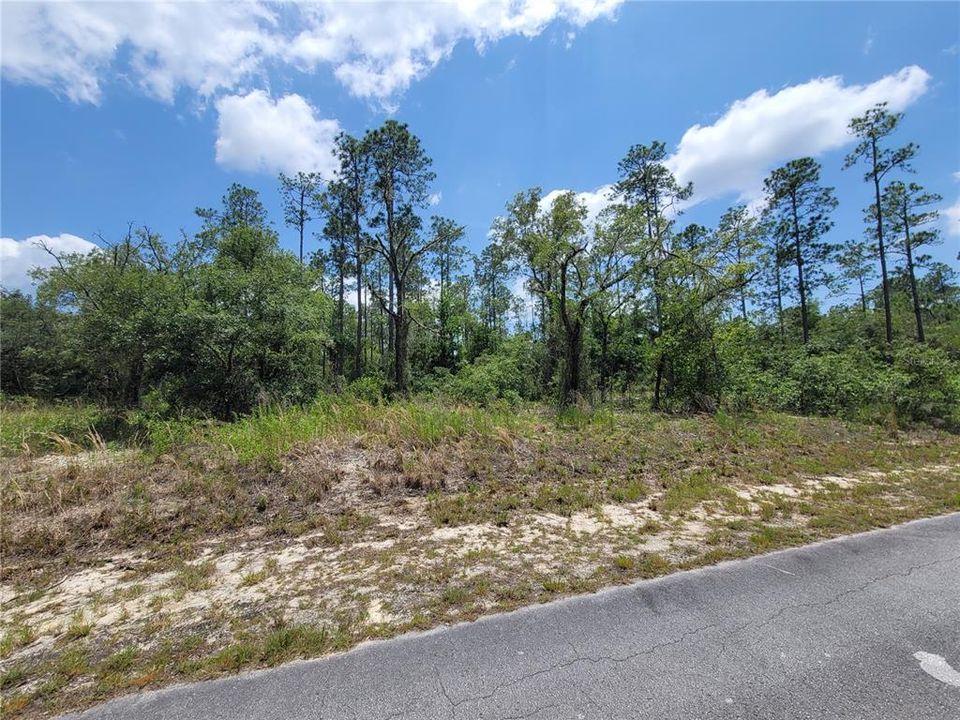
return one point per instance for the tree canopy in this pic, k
(765, 310)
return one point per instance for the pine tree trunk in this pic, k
(801, 285)
(743, 290)
(570, 386)
(887, 316)
(400, 345)
(391, 332)
(913, 283)
(783, 333)
(302, 222)
(358, 350)
(341, 340)
(604, 359)
(658, 383)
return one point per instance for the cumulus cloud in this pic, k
(71, 47)
(435, 198)
(375, 49)
(19, 257)
(220, 50)
(258, 134)
(952, 217)
(759, 132)
(593, 200)
(378, 50)
(762, 131)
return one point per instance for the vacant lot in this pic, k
(198, 550)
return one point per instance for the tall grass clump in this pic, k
(269, 433)
(28, 427)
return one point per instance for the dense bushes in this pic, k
(920, 384)
(507, 375)
(370, 388)
(924, 386)
(216, 325)
(831, 383)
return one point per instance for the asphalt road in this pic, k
(862, 627)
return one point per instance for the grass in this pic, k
(264, 436)
(268, 435)
(276, 471)
(17, 635)
(79, 626)
(12, 678)
(120, 661)
(281, 645)
(697, 487)
(193, 576)
(68, 427)
(219, 547)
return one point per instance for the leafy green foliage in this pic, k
(925, 385)
(215, 325)
(920, 385)
(500, 376)
(628, 306)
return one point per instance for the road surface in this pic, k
(861, 627)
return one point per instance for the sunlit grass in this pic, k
(269, 434)
(27, 428)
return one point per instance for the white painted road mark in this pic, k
(935, 666)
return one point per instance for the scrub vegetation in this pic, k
(217, 455)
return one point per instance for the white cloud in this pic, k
(435, 199)
(258, 134)
(375, 49)
(221, 50)
(952, 217)
(762, 131)
(18, 257)
(71, 47)
(759, 132)
(593, 200)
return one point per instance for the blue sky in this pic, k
(117, 113)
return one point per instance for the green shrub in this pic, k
(371, 389)
(840, 384)
(505, 375)
(924, 386)
(483, 384)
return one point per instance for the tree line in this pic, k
(629, 305)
